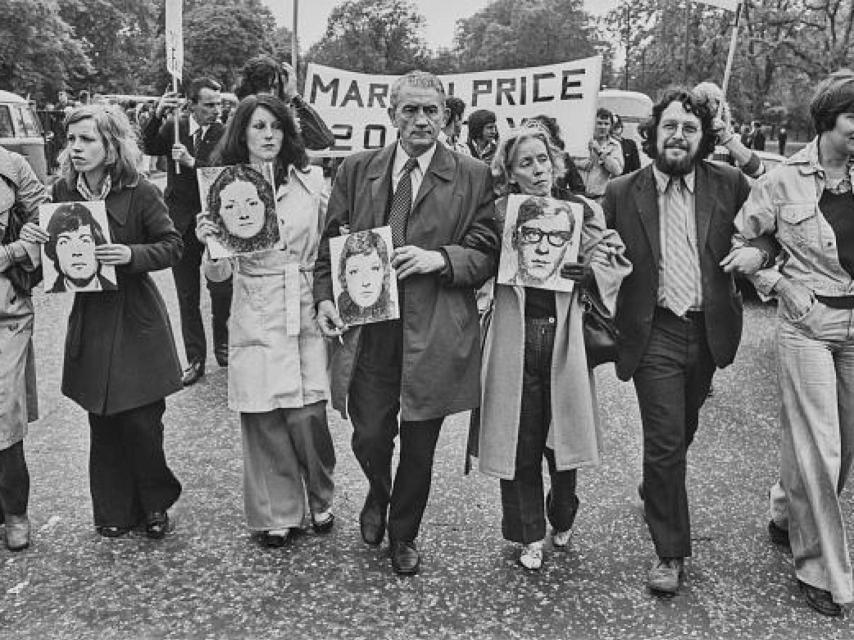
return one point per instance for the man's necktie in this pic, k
(197, 142)
(680, 266)
(401, 204)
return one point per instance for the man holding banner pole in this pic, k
(425, 365)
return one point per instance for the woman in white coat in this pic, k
(538, 399)
(277, 357)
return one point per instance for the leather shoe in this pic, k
(665, 575)
(194, 371)
(221, 354)
(157, 524)
(17, 532)
(778, 534)
(275, 540)
(820, 600)
(372, 522)
(405, 558)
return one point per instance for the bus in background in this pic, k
(21, 131)
(633, 108)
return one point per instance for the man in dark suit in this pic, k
(679, 313)
(426, 365)
(199, 131)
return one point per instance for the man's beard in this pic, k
(681, 167)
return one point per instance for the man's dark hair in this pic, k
(260, 75)
(833, 96)
(604, 114)
(70, 217)
(648, 129)
(456, 107)
(477, 121)
(552, 127)
(198, 84)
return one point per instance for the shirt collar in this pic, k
(400, 158)
(194, 126)
(88, 194)
(662, 180)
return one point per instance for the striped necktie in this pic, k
(401, 205)
(681, 265)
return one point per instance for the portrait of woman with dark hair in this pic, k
(240, 202)
(368, 292)
(74, 233)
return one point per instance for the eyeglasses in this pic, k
(532, 235)
(688, 129)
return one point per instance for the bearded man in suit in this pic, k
(679, 313)
(426, 365)
(199, 131)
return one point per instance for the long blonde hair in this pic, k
(118, 139)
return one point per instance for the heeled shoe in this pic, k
(324, 524)
(157, 525)
(275, 539)
(112, 532)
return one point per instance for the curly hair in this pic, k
(261, 74)
(502, 163)
(232, 148)
(648, 130)
(269, 234)
(118, 138)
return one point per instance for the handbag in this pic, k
(600, 331)
(22, 280)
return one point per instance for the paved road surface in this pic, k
(209, 580)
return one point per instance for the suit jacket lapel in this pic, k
(441, 168)
(703, 204)
(379, 177)
(646, 200)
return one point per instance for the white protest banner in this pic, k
(174, 38)
(729, 5)
(354, 105)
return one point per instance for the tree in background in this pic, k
(220, 35)
(38, 52)
(373, 36)
(117, 37)
(784, 47)
(524, 33)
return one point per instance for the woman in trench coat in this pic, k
(538, 397)
(277, 376)
(120, 359)
(19, 187)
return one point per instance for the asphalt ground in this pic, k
(209, 579)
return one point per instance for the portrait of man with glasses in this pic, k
(542, 238)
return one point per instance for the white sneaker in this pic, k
(531, 556)
(560, 539)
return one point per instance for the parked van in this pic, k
(21, 131)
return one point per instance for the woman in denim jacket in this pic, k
(806, 205)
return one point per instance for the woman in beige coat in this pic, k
(277, 376)
(539, 398)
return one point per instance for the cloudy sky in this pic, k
(441, 16)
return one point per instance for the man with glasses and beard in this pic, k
(678, 312)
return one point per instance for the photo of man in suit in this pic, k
(425, 365)
(679, 313)
(199, 130)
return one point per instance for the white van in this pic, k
(21, 131)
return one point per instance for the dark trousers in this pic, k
(523, 518)
(14, 481)
(187, 283)
(671, 381)
(128, 474)
(373, 405)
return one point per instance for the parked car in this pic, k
(21, 131)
